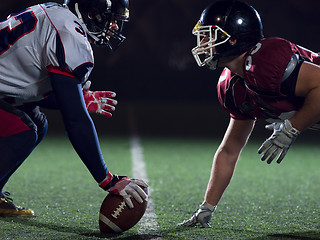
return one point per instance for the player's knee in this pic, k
(22, 140)
(18, 146)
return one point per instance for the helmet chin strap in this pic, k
(212, 64)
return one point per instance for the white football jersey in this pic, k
(43, 38)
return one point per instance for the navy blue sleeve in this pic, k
(49, 102)
(79, 125)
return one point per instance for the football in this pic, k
(116, 217)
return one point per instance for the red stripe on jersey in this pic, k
(11, 124)
(60, 70)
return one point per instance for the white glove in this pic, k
(280, 141)
(123, 186)
(202, 216)
(127, 187)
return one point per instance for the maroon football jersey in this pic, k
(258, 95)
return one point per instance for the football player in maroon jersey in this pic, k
(263, 78)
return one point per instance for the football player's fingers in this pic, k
(109, 101)
(140, 182)
(140, 191)
(126, 198)
(273, 126)
(134, 194)
(266, 144)
(189, 223)
(267, 153)
(105, 94)
(107, 107)
(205, 224)
(87, 85)
(105, 113)
(270, 126)
(129, 202)
(282, 155)
(273, 155)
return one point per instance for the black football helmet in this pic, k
(97, 15)
(223, 21)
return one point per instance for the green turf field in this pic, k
(263, 201)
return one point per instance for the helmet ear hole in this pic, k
(91, 15)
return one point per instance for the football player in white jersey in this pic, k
(45, 61)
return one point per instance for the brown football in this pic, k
(116, 217)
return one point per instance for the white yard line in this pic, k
(148, 222)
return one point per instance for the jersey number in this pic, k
(16, 27)
(249, 58)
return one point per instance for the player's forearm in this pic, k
(308, 87)
(221, 174)
(226, 157)
(84, 139)
(309, 114)
(79, 125)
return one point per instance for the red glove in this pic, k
(98, 101)
(123, 186)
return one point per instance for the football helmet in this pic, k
(97, 16)
(226, 28)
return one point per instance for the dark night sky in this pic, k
(155, 63)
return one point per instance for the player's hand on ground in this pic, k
(280, 141)
(202, 216)
(99, 101)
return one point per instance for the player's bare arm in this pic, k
(224, 163)
(308, 86)
(226, 157)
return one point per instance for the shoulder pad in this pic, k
(291, 66)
